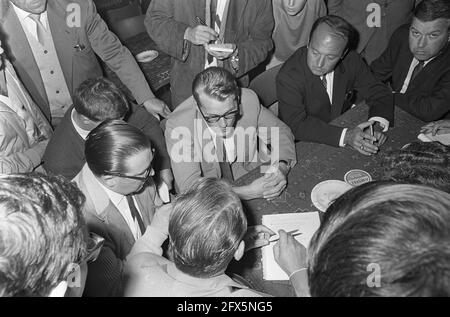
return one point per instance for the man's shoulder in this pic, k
(295, 64)
(183, 115)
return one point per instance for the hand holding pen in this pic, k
(201, 34)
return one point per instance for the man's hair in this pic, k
(430, 10)
(216, 82)
(426, 163)
(42, 232)
(395, 234)
(99, 100)
(205, 229)
(109, 145)
(340, 27)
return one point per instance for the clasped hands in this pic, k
(361, 139)
(271, 184)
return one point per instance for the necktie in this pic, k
(417, 70)
(135, 213)
(324, 82)
(214, 20)
(40, 28)
(225, 166)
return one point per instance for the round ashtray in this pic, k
(146, 56)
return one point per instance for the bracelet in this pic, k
(296, 271)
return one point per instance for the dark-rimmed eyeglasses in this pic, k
(145, 178)
(230, 115)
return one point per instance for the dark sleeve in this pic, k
(378, 96)
(430, 106)
(291, 94)
(141, 119)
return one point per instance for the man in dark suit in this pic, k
(417, 62)
(54, 46)
(316, 85)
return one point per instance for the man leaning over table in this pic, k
(223, 132)
(54, 46)
(316, 85)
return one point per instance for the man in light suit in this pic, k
(121, 201)
(223, 132)
(54, 46)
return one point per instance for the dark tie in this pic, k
(225, 166)
(40, 28)
(417, 70)
(214, 20)
(135, 213)
(324, 82)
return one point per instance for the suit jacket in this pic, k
(373, 40)
(20, 153)
(103, 218)
(187, 131)
(428, 95)
(64, 154)
(249, 25)
(77, 65)
(304, 103)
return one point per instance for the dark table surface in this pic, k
(316, 163)
(157, 72)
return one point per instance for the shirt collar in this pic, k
(22, 14)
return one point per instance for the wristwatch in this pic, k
(234, 61)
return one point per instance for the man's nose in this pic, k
(321, 62)
(422, 42)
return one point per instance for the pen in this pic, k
(371, 132)
(200, 21)
(294, 233)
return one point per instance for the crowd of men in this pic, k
(86, 173)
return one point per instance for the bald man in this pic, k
(317, 84)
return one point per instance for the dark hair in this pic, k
(216, 82)
(109, 145)
(339, 26)
(99, 100)
(430, 10)
(206, 226)
(395, 233)
(426, 163)
(42, 232)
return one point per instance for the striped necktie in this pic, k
(419, 67)
(41, 32)
(135, 213)
(215, 20)
(225, 166)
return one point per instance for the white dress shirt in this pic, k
(220, 11)
(28, 23)
(120, 202)
(230, 147)
(330, 84)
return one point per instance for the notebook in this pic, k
(307, 223)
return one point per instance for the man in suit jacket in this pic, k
(316, 85)
(223, 132)
(375, 21)
(54, 46)
(24, 131)
(120, 201)
(176, 26)
(417, 62)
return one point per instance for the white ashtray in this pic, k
(146, 56)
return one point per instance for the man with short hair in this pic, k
(417, 62)
(54, 46)
(42, 236)
(222, 131)
(95, 101)
(317, 83)
(121, 200)
(207, 228)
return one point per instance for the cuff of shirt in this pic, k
(383, 122)
(342, 139)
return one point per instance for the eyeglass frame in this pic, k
(235, 113)
(147, 176)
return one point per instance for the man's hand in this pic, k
(257, 236)
(166, 176)
(200, 35)
(218, 54)
(290, 254)
(157, 107)
(437, 127)
(161, 217)
(276, 178)
(360, 140)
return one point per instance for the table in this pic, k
(157, 72)
(316, 163)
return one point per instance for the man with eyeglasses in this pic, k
(223, 132)
(121, 201)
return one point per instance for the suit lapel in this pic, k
(21, 55)
(234, 18)
(64, 39)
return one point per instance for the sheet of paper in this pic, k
(307, 223)
(442, 138)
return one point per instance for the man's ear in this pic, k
(240, 251)
(59, 290)
(109, 180)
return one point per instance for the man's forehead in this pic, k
(324, 35)
(431, 26)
